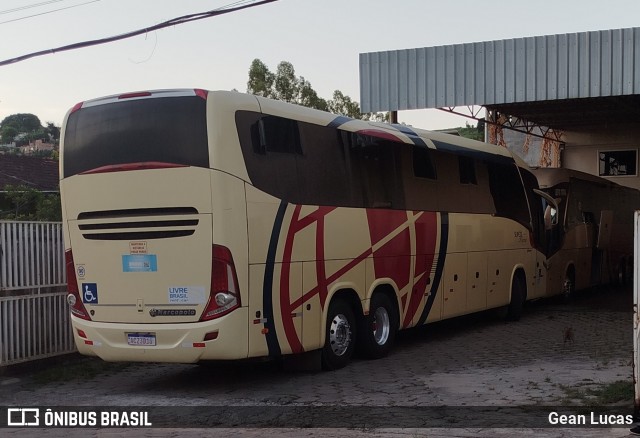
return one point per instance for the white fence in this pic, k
(31, 255)
(34, 327)
(34, 316)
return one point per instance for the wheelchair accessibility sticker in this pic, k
(90, 293)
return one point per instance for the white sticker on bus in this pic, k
(187, 295)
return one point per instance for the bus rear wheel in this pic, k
(340, 336)
(378, 328)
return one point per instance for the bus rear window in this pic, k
(168, 130)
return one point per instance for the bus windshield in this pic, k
(168, 130)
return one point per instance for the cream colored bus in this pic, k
(593, 241)
(218, 225)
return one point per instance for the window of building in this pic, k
(618, 163)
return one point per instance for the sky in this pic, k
(321, 38)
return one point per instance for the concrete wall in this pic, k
(581, 149)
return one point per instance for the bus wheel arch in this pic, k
(377, 329)
(341, 327)
(518, 295)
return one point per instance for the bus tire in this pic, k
(569, 286)
(518, 298)
(340, 336)
(378, 329)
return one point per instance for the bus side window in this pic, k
(422, 164)
(467, 168)
(277, 134)
(375, 158)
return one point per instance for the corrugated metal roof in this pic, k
(553, 67)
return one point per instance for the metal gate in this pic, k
(34, 317)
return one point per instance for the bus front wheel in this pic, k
(568, 286)
(518, 298)
(378, 328)
(340, 336)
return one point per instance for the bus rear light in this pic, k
(82, 334)
(201, 93)
(76, 107)
(73, 298)
(211, 336)
(224, 296)
(132, 95)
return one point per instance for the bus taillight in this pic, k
(73, 298)
(201, 93)
(225, 293)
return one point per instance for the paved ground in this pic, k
(476, 366)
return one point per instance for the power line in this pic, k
(48, 12)
(242, 4)
(35, 5)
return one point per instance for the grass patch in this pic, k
(82, 370)
(615, 392)
(600, 395)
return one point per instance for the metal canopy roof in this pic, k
(562, 81)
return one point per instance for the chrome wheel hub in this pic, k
(381, 326)
(340, 335)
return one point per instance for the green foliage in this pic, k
(22, 122)
(53, 132)
(472, 132)
(341, 104)
(30, 127)
(7, 134)
(286, 86)
(27, 204)
(261, 80)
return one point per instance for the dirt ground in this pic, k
(455, 378)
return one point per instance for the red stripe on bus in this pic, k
(380, 134)
(126, 167)
(346, 268)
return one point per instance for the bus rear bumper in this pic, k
(181, 343)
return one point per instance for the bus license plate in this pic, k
(141, 339)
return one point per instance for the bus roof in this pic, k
(397, 132)
(549, 177)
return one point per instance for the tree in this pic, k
(309, 97)
(286, 86)
(286, 83)
(7, 134)
(27, 203)
(52, 131)
(341, 104)
(472, 132)
(28, 128)
(23, 122)
(260, 79)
